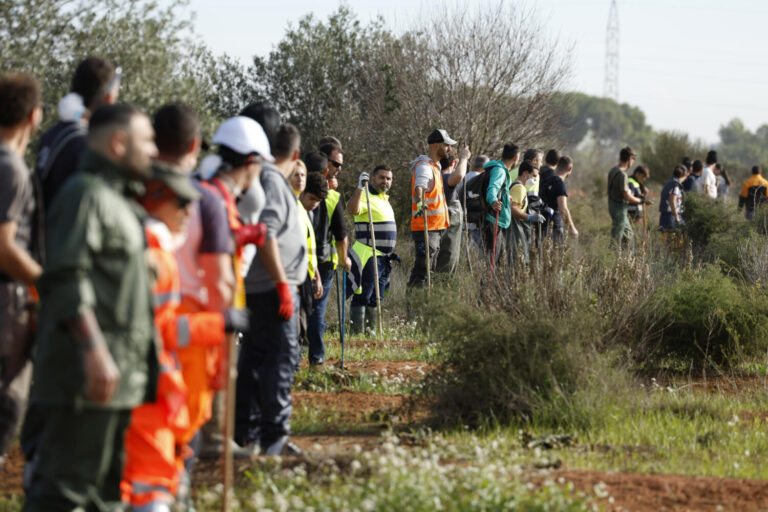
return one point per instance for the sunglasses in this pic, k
(336, 164)
(183, 203)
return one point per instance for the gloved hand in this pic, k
(419, 209)
(395, 257)
(251, 234)
(362, 180)
(285, 312)
(548, 212)
(236, 320)
(536, 217)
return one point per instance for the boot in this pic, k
(356, 319)
(371, 321)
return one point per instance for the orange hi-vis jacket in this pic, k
(156, 436)
(435, 204)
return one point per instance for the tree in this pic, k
(666, 150)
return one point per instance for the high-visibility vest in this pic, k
(331, 202)
(310, 233)
(384, 227)
(435, 205)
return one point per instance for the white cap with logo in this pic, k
(245, 136)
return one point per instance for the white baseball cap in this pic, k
(245, 136)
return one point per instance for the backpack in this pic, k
(473, 198)
(756, 196)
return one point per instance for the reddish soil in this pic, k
(714, 384)
(408, 345)
(11, 472)
(412, 370)
(669, 493)
(358, 406)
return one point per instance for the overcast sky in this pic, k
(690, 65)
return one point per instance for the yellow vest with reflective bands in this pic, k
(311, 245)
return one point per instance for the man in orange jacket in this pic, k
(155, 440)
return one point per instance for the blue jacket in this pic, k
(498, 189)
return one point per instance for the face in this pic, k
(310, 201)
(444, 150)
(382, 180)
(139, 146)
(254, 171)
(173, 213)
(299, 179)
(335, 161)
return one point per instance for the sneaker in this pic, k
(315, 363)
(214, 450)
(283, 447)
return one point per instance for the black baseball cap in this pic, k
(438, 136)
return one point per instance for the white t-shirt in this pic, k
(707, 178)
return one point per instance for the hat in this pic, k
(179, 183)
(440, 136)
(245, 136)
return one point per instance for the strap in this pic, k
(66, 135)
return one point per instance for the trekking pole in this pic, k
(426, 247)
(375, 259)
(229, 421)
(495, 235)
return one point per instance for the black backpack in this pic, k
(756, 196)
(475, 190)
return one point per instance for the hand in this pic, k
(395, 257)
(574, 232)
(496, 206)
(464, 153)
(251, 234)
(419, 209)
(548, 212)
(285, 312)
(648, 200)
(236, 319)
(536, 217)
(101, 374)
(318, 288)
(347, 264)
(362, 180)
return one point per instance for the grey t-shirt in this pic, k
(281, 216)
(17, 197)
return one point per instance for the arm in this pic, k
(495, 184)
(630, 198)
(342, 247)
(14, 260)
(219, 279)
(101, 373)
(565, 213)
(673, 206)
(353, 207)
(418, 193)
(461, 169)
(269, 254)
(517, 212)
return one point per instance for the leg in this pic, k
(419, 272)
(247, 412)
(316, 324)
(450, 247)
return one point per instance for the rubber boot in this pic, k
(371, 321)
(356, 319)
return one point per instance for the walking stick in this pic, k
(466, 224)
(426, 244)
(375, 259)
(343, 312)
(645, 223)
(495, 235)
(340, 307)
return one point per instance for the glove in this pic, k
(362, 180)
(536, 217)
(419, 209)
(548, 213)
(236, 320)
(285, 312)
(254, 234)
(395, 257)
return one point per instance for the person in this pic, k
(707, 183)
(428, 205)
(671, 202)
(96, 357)
(620, 197)
(550, 164)
(473, 228)
(450, 248)
(754, 192)
(154, 440)
(694, 178)
(96, 82)
(498, 214)
(20, 256)
(723, 182)
(554, 193)
(269, 354)
(328, 144)
(637, 188)
(332, 242)
(520, 227)
(534, 156)
(691, 177)
(362, 280)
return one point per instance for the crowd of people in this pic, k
(129, 269)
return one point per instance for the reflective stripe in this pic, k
(182, 332)
(385, 233)
(161, 299)
(436, 209)
(429, 200)
(141, 487)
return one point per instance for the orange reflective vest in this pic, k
(436, 206)
(159, 430)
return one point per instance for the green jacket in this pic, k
(498, 189)
(96, 260)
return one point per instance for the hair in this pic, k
(564, 163)
(329, 148)
(316, 161)
(267, 116)
(626, 153)
(111, 117)
(526, 166)
(531, 154)
(552, 158)
(176, 127)
(510, 151)
(723, 173)
(480, 161)
(679, 171)
(686, 161)
(233, 158)
(381, 168)
(758, 169)
(697, 166)
(287, 140)
(92, 79)
(329, 139)
(317, 185)
(19, 96)
(642, 169)
(712, 157)
(446, 162)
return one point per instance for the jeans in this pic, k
(316, 323)
(367, 298)
(450, 246)
(269, 356)
(419, 272)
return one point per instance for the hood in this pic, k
(420, 159)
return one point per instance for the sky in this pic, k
(690, 65)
